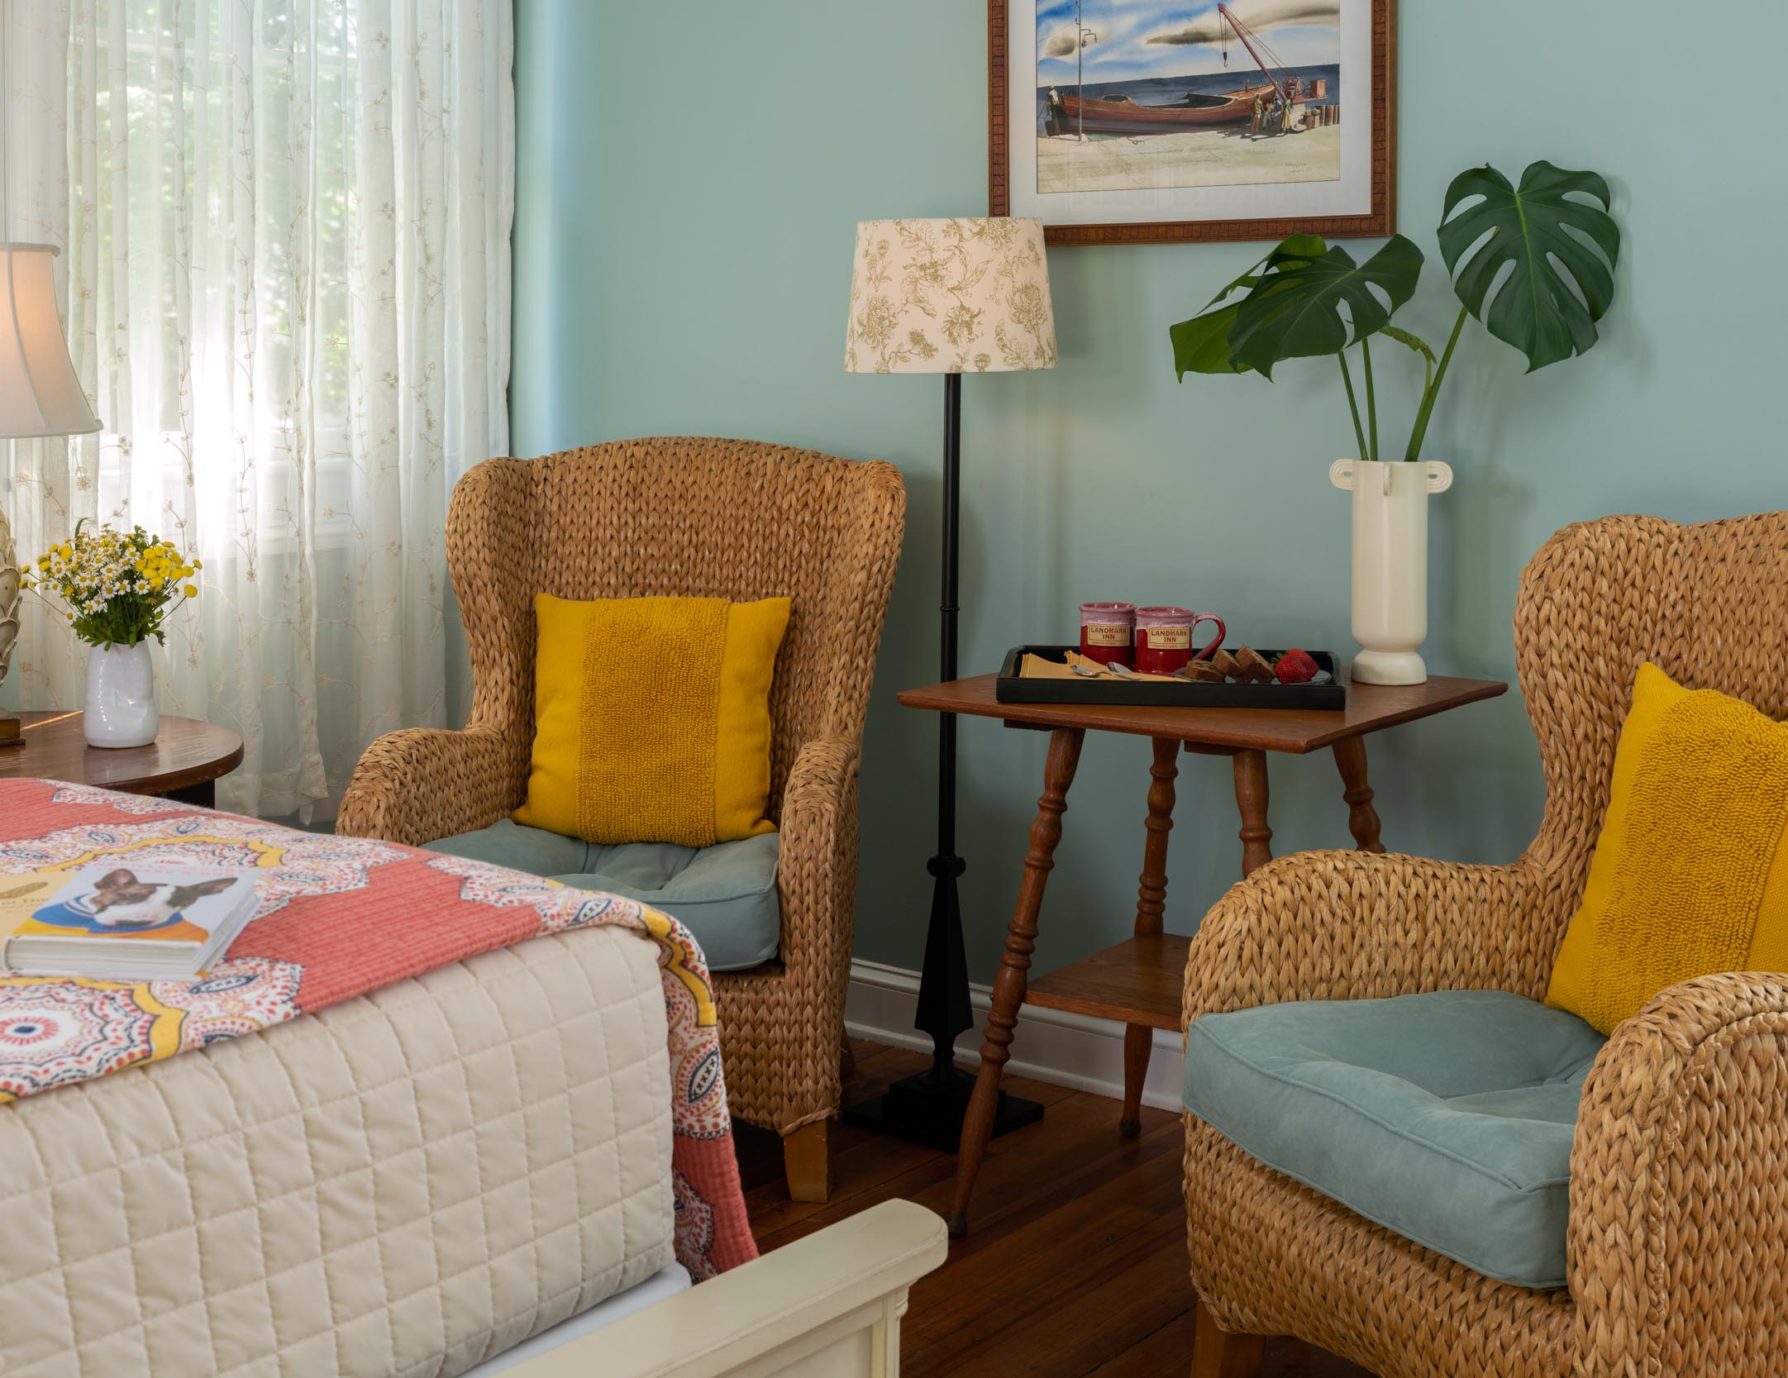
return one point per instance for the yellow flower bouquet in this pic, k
(116, 588)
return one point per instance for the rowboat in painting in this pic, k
(1071, 112)
(1280, 96)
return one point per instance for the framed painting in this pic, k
(1155, 121)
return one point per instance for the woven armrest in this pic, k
(1679, 1184)
(781, 1023)
(818, 865)
(425, 783)
(1360, 925)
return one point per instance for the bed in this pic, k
(407, 1183)
(424, 1110)
(427, 1117)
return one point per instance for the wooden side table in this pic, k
(184, 762)
(1138, 981)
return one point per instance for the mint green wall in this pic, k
(690, 177)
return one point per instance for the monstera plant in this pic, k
(1534, 263)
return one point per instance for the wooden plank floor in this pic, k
(1075, 1262)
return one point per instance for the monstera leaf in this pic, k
(1295, 311)
(1201, 345)
(1293, 307)
(1562, 248)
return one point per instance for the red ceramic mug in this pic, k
(1164, 638)
(1106, 631)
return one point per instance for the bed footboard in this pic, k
(827, 1306)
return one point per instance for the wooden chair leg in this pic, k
(807, 1162)
(1218, 1354)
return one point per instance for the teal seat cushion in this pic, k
(724, 894)
(1445, 1117)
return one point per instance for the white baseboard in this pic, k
(1048, 1045)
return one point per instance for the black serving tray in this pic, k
(1159, 694)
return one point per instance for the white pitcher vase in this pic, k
(120, 706)
(1390, 563)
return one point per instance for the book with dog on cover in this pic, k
(120, 923)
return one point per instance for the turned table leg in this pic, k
(1151, 905)
(1008, 986)
(1362, 818)
(1251, 800)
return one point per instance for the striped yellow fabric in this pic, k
(652, 718)
(1690, 874)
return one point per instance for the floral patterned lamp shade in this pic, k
(964, 295)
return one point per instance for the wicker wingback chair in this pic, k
(1678, 1235)
(690, 517)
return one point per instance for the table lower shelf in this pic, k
(1137, 982)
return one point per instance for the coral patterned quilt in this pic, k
(339, 917)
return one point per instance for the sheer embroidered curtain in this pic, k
(285, 227)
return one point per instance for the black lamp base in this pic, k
(928, 1109)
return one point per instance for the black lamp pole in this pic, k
(929, 1106)
(944, 1010)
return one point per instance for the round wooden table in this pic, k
(184, 761)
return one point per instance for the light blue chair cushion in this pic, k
(1446, 1117)
(724, 894)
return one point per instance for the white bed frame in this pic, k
(827, 1306)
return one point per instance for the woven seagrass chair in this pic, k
(1676, 1249)
(689, 517)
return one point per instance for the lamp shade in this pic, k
(39, 393)
(964, 295)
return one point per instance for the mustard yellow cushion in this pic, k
(1690, 874)
(652, 719)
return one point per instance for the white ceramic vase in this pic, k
(120, 708)
(1390, 563)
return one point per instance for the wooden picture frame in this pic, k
(1378, 218)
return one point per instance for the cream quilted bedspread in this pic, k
(403, 1184)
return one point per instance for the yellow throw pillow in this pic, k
(652, 718)
(1690, 874)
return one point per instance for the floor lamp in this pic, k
(952, 297)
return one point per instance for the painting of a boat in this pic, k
(1069, 111)
(1147, 121)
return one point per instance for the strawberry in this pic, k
(1296, 667)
